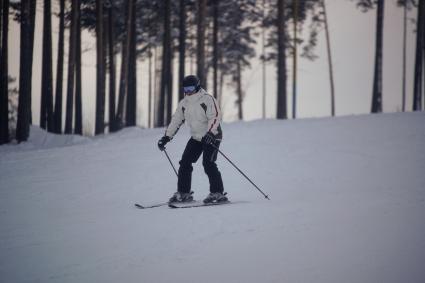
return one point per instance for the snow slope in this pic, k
(347, 205)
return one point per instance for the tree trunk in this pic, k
(328, 45)
(200, 51)
(59, 70)
(294, 67)
(123, 88)
(221, 100)
(46, 109)
(423, 58)
(215, 49)
(24, 107)
(132, 74)
(1, 26)
(33, 8)
(78, 126)
(100, 71)
(111, 38)
(417, 87)
(71, 68)
(4, 93)
(281, 62)
(182, 46)
(263, 41)
(158, 108)
(169, 92)
(403, 90)
(150, 87)
(239, 90)
(377, 80)
(164, 98)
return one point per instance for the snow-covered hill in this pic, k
(347, 205)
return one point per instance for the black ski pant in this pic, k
(191, 154)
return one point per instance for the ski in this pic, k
(181, 204)
(196, 204)
(138, 205)
(150, 206)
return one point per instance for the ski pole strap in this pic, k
(166, 154)
(243, 174)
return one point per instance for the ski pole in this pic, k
(166, 154)
(240, 171)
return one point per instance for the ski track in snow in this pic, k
(347, 205)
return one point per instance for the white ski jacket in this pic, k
(201, 112)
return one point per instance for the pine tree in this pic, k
(237, 23)
(282, 42)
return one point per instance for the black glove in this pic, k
(162, 142)
(209, 139)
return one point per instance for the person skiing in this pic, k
(201, 112)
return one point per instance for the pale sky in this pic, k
(352, 36)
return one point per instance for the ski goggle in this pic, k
(189, 89)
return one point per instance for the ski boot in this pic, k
(181, 197)
(216, 197)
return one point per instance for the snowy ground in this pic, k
(347, 205)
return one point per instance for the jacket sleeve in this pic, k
(176, 121)
(213, 115)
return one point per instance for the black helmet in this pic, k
(191, 84)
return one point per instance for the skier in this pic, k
(201, 112)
